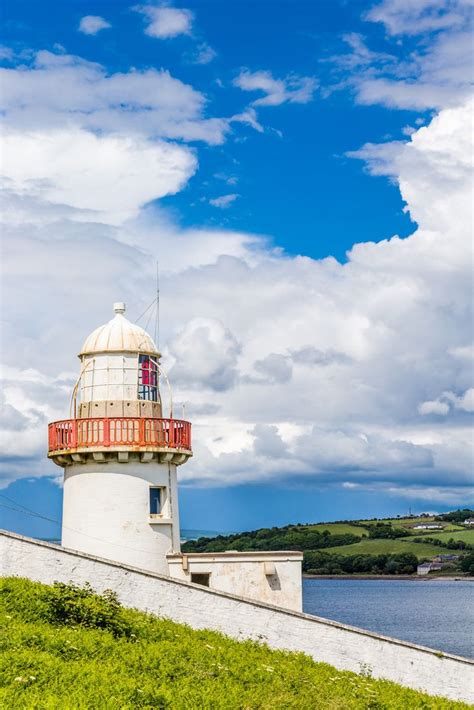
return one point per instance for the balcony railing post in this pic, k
(74, 424)
(107, 432)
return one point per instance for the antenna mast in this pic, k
(157, 318)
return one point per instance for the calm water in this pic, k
(435, 614)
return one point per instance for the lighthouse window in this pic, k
(155, 501)
(147, 378)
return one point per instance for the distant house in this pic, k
(427, 567)
(469, 521)
(429, 526)
(445, 558)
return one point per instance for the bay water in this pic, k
(435, 613)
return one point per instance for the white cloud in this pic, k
(149, 103)
(449, 401)
(295, 367)
(166, 22)
(292, 89)
(433, 72)
(249, 117)
(205, 353)
(224, 201)
(92, 24)
(408, 17)
(433, 407)
(204, 54)
(105, 178)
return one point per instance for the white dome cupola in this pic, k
(119, 335)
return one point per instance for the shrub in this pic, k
(385, 530)
(71, 605)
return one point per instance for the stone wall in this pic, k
(344, 647)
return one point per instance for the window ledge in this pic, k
(159, 520)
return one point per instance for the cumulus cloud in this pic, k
(291, 89)
(103, 146)
(433, 407)
(291, 367)
(92, 24)
(166, 22)
(107, 178)
(205, 354)
(150, 103)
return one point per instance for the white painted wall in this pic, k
(342, 646)
(271, 577)
(106, 512)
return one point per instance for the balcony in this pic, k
(103, 438)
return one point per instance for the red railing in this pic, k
(119, 431)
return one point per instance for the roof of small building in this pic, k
(119, 335)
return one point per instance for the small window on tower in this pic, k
(155, 501)
(147, 378)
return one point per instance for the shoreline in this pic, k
(392, 577)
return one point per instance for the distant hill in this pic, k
(377, 546)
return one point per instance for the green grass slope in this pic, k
(465, 535)
(386, 547)
(71, 650)
(340, 529)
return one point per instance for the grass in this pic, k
(407, 523)
(383, 547)
(466, 535)
(160, 664)
(339, 529)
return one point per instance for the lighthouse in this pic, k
(119, 454)
(120, 457)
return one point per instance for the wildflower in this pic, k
(20, 679)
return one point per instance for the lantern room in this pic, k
(119, 371)
(116, 407)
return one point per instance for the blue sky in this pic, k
(229, 144)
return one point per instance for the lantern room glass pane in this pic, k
(147, 378)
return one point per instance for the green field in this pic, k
(407, 523)
(126, 660)
(339, 528)
(465, 535)
(385, 547)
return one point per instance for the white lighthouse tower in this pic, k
(118, 452)
(120, 459)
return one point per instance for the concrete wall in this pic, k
(106, 512)
(271, 577)
(344, 647)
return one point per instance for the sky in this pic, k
(301, 171)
